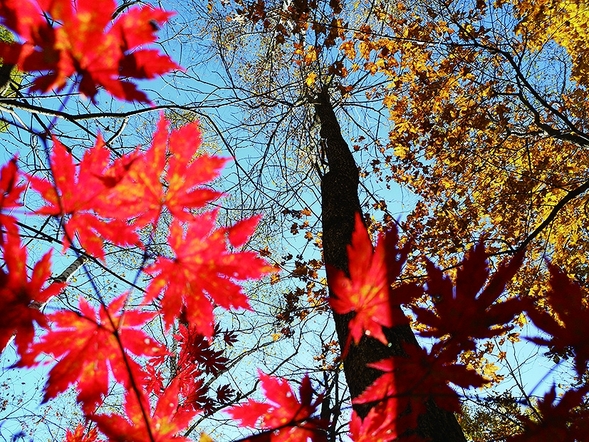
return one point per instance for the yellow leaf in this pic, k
(389, 100)
(310, 55)
(348, 48)
(311, 79)
(401, 151)
(521, 320)
(204, 437)
(489, 370)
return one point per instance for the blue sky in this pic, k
(200, 85)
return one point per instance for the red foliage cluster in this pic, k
(195, 359)
(86, 43)
(284, 417)
(462, 312)
(94, 347)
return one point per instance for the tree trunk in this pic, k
(340, 203)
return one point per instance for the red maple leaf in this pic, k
(163, 425)
(86, 43)
(85, 344)
(21, 298)
(67, 199)
(196, 394)
(203, 271)
(229, 337)
(468, 310)
(413, 379)
(225, 393)
(367, 291)
(567, 300)
(153, 380)
(196, 350)
(169, 174)
(81, 435)
(9, 195)
(382, 424)
(282, 411)
(195, 358)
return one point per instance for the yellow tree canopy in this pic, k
(488, 108)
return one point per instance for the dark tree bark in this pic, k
(340, 203)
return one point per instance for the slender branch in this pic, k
(571, 195)
(80, 252)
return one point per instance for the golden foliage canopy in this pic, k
(487, 102)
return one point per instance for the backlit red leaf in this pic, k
(81, 435)
(168, 175)
(9, 196)
(86, 344)
(382, 424)
(241, 232)
(79, 190)
(202, 272)
(165, 424)
(368, 290)
(80, 39)
(21, 297)
(291, 417)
